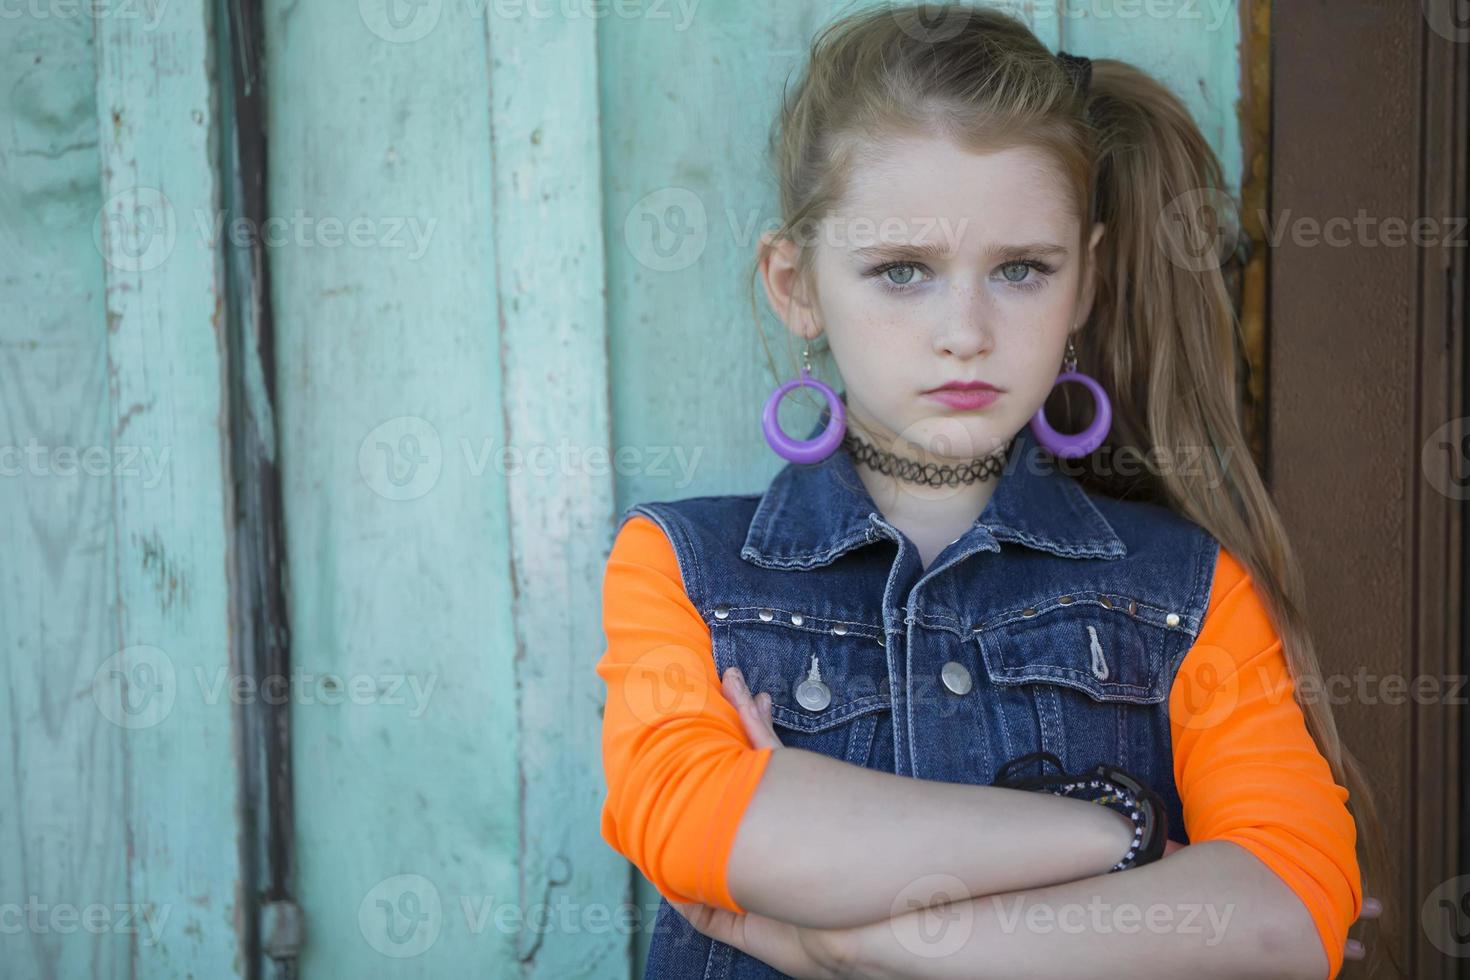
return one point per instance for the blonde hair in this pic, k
(1162, 332)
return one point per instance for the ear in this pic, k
(784, 290)
(1089, 288)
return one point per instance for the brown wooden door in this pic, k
(1366, 405)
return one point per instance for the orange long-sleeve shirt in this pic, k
(680, 770)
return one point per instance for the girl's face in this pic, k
(943, 266)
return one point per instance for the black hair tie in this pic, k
(1079, 70)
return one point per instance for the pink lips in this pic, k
(965, 397)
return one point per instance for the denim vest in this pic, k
(1057, 621)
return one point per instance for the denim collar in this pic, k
(811, 514)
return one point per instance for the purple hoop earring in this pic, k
(1084, 442)
(805, 450)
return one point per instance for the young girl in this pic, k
(814, 692)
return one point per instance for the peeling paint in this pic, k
(168, 579)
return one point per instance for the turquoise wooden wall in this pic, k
(509, 296)
(118, 852)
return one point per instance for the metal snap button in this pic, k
(840, 630)
(1028, 611)
(796, 619)
(956, 677)
(722, 612)
(811, 693)
(766, 615)
(1065, 600)
(1172, 619)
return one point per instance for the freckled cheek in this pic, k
(874, 351)
(1031, 350)
(861, 325)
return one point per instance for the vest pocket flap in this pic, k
(1109, 655)
(801, 720)
(817, 678)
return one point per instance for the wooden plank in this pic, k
(63, 829)
(547, 208)
(390, 418)
(171, 614)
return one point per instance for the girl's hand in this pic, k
(794, 950)
(755, 712)
(1372, 909)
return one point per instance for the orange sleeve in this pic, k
(1248, 770)
(680, 770)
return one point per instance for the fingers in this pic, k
(755, 712)
(768, 728)
(1372, 909)
(753, 718)
(735, 689)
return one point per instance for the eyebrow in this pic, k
(936, 250)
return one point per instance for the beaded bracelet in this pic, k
(1107, 786)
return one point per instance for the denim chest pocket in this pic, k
(827, 678)
(1083, 676)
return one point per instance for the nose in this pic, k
(968, 329)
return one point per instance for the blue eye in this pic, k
(905, 273)
(1025, 267)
